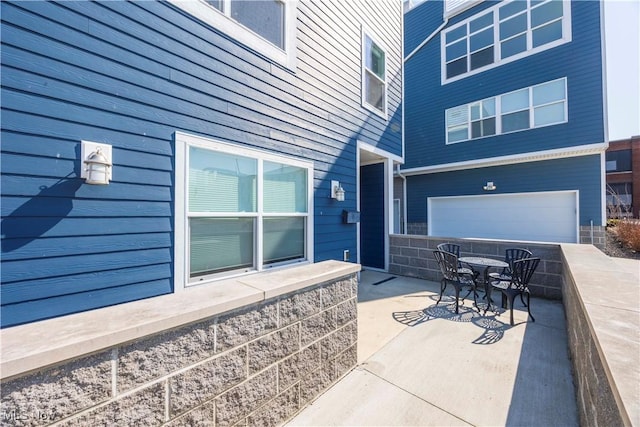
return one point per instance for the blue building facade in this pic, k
(227, 125)
(505, 126)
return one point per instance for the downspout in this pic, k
(404, 198)
(427, 40)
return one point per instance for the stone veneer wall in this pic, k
(586, 237)
(602, 307)
(256, 366)
(599, 238)
(412, 256)
(596, 402)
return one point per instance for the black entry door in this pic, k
(372, 215)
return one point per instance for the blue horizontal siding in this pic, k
(131, 74)
(46, 308)
(580, 61)
(550, 175)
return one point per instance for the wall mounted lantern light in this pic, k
(337, 192)
(96, 159)
(490, 186)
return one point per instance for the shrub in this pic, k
(629, 234)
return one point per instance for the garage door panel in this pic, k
(549, 217)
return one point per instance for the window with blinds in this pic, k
(531, 107)
(245, 210)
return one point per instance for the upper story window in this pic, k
(241, 210)
(453, 7)
(618, 161)
(504, 33)
(374, 75)
(410, 4)
(267, 26)
(536, 106)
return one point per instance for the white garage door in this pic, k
(543, 217)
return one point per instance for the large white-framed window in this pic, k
(239, 210)
(532, 107)
(503, 33)
(266, 26)
(374, 75)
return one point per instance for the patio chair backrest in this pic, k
(452, 248)
(448, 264)
(522, 271)
(513, 254)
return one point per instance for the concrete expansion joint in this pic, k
(363, 368)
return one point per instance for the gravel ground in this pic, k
(615, 249)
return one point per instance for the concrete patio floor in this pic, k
(422, 365)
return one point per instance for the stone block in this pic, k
(240, 327)
(346, 312)
(346, 360)
(273, 347)
(316, 327)
(57, 392)
(240, 401)
(204, 381)
(298, 365)
(337, 292)
(316, 382)
(410, 252)
(202, 416)
(161, 354)
(299, 306)
(418, 243)
(337, 342)
(142, 408)
(279, 410)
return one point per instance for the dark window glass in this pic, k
(266, 18)
(618, 161)
(457, 67)
(513, 46)
(513, 26)
(547, 34)
(480, 23)
(215, 3)
(484, 127)
(482, 58)
(457, 50)
(482, 39)
(512, 8)
(515, 121)
(546, 13)
(454, 35)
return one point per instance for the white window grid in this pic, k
(183, 141)
(465, 109)
(497, 53)
(222, 20)
(365, 71)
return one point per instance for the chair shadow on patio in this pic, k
(493, 329)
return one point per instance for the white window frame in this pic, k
(497, 61)
(454, 7)
(498, 113)
(365, 33)
(181, 259)
(223, 22)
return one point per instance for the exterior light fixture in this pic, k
(96, 158)
(490, 186)
(337, 192)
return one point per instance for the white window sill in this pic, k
(39, 344)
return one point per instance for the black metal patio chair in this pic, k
(454, 248)
(510, 255)
(451, 275)
(518, 284)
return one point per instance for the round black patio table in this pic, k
(486, 263)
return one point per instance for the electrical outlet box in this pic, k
(345, 255)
